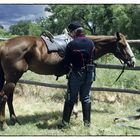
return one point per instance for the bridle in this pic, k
(117, 50)
(126, 60)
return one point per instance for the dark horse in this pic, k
(19, 54)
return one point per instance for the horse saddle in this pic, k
(57, 43)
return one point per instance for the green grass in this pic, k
(40, 112)
(39, 109)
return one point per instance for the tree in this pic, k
(106, 19)
(4, 33)
(1, 27)
(90, 16)
(64, 14)
(133, 12)
(21, 28)
(96, 19)
(35, 29)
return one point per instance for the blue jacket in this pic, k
(79, 52)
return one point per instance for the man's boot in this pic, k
(86, 108)
(66, 115)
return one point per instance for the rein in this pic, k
(120, 73)
(123, 68)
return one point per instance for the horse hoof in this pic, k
(13, 122)
(4, 127)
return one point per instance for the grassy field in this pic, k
(40, 112)
(39, 109)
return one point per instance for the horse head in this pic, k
(123, 51)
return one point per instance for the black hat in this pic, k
(73, 26)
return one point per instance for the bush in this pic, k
(4, 33)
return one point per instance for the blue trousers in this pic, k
(79, 82)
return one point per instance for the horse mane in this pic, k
(101, 38)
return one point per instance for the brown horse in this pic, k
(19, 54)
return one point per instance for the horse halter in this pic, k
(117, 50)
(126, 60)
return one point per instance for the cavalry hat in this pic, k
(73, 26)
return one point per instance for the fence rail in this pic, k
(131, 91)
(62, 86)
(110, 66)
(133, 41)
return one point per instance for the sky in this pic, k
(13, 13)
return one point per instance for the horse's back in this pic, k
(17, 51)
(21, 41)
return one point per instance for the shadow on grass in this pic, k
(105, 111)
(41, 119)
(102, 111)
(135, 128)
(47, 120)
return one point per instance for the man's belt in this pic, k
(88, 67)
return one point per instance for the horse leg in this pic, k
(11, 80)
(6, 95)
(11, 83)
(3, 99)
(13, 117)
(2, 113)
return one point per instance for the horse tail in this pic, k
(2, 79)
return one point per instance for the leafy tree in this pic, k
(96, 19)
(90, 16)
(133, 12)
(64, 14)
(1, 27)
(4, 33)
(35, 29)
(21, 28)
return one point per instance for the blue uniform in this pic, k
(79, 56)
(80, 53)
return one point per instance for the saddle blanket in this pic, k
(58, 43)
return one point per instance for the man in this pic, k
(79, 56)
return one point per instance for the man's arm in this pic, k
(67, 56)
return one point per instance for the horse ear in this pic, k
(118, 36)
